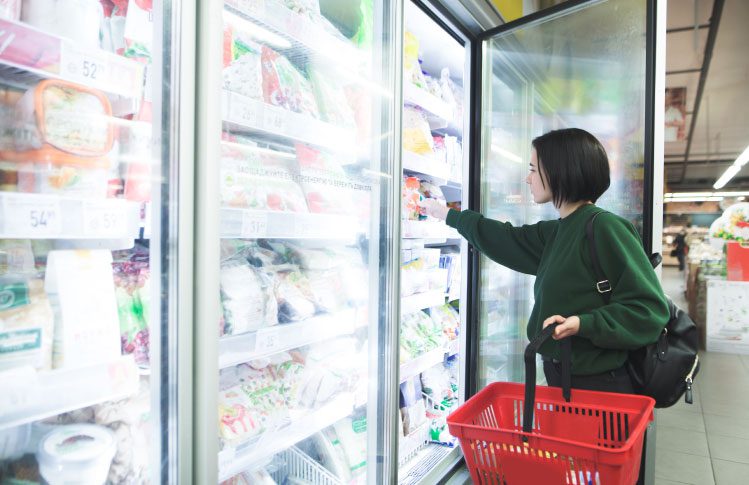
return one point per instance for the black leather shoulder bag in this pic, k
(665, 369)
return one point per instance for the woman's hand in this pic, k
(434, 208)
(567, 326)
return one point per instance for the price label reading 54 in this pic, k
(31, 216)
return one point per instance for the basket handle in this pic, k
(530, 373)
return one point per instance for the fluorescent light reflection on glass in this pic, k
(507, 154)
(733, 169)
(259, 33)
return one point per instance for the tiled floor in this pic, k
(708, 442)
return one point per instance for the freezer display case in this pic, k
(84, 351)
(582, 65)
(299, 190)
(432, 312)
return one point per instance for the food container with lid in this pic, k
(76, 453)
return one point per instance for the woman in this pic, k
(570, 169)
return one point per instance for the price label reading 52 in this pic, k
(79, 65)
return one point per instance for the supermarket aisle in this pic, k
(707, 442)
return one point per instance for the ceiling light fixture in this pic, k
(733, 169)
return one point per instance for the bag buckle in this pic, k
(603, 286)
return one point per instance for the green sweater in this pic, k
(556, 252)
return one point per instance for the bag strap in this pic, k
(602, 283)
(565, 346)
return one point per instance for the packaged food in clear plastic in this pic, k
(26, 324)
(327, 187)
(248, 297)
(417, 135)
(242, 73)
(285, 86)
(295, 298)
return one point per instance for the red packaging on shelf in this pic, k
(737, 261)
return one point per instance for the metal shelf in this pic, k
(421, 301)
(301, 32)
(39, 216)
(429, 229)
(29, 395)
(236, 349)
(434, 106)
(29, 55)
(250, 224)
(233, 460)
(425, 361)
(258, 117)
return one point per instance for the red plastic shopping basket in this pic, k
(593, 439)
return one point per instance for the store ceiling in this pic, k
(721, 126)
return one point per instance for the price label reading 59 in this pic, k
(103, 219)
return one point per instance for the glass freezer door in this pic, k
(86, 347)
(585, 66)
(300, 180)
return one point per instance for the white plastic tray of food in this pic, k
(300, 29)
(40, 216)
(28, 395)
(250, 224)
(236, 349)
(438, 172)
(425, 361)
(28, 54)
(233, 460)
(421, 301)
(260, 117)
(422, 98)
(429, 229)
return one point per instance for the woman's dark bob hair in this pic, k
(574, 165)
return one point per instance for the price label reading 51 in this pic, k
(31, 216)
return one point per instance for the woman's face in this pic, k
(541, 193)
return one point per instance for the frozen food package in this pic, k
(447, 318)
(414, 278)
(59, 119)
(285, 86)
(295, 298)
(16, 257)
(417, 135)
(411, 405)
(77, 20)
(332, 454)
(411, 64)
(253, 181)
(352, 433)
(411, 197)
(132, 290)
(237, 418)
(328, 290)
(242, 72)
(327, 187)
(331, 98)
(26, 324)
(248, 297)
(430, 191)
(10, 9)
(452, 93)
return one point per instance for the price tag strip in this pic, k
(32, 217)
(101, 70)
(103, 219)
(254, 224)
(267, 340)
